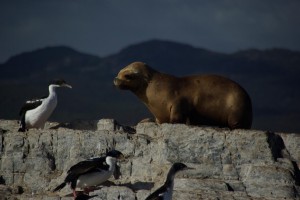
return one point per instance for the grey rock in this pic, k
(238, 164)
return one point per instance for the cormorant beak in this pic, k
(121, 157)
(67, 85)
(189, 168)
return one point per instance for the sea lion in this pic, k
(197, 100)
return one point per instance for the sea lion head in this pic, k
(134, 77)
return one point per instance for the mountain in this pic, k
(38, 64)
(270, 76)
(170, 57)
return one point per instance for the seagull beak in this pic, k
(67, 85)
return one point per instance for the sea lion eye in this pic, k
(129, 76)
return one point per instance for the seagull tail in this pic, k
(61, 186)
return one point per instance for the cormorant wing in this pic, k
(88, 165)
(31, 104)
(94, 164)
(157, 195)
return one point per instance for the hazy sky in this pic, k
(103, 27)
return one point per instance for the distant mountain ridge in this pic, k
(46, 59)
(270, 76)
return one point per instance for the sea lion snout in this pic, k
(118, 82)
(123, 83)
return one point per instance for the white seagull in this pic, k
(36, 112)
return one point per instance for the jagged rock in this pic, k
(239, 164)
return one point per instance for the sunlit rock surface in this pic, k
(239, 164)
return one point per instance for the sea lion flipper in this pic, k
(178, 112)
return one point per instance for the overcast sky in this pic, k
(103, 27)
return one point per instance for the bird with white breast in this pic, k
(35, 113)
(165, 192)
(88, 174)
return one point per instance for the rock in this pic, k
(102, 124)
(238, 164)
(5, 191)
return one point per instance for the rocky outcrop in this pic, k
(239, 164)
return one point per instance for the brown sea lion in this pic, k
(197, 100)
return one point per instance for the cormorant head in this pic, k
(180, 166)
(115, 154)
(60, 83)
